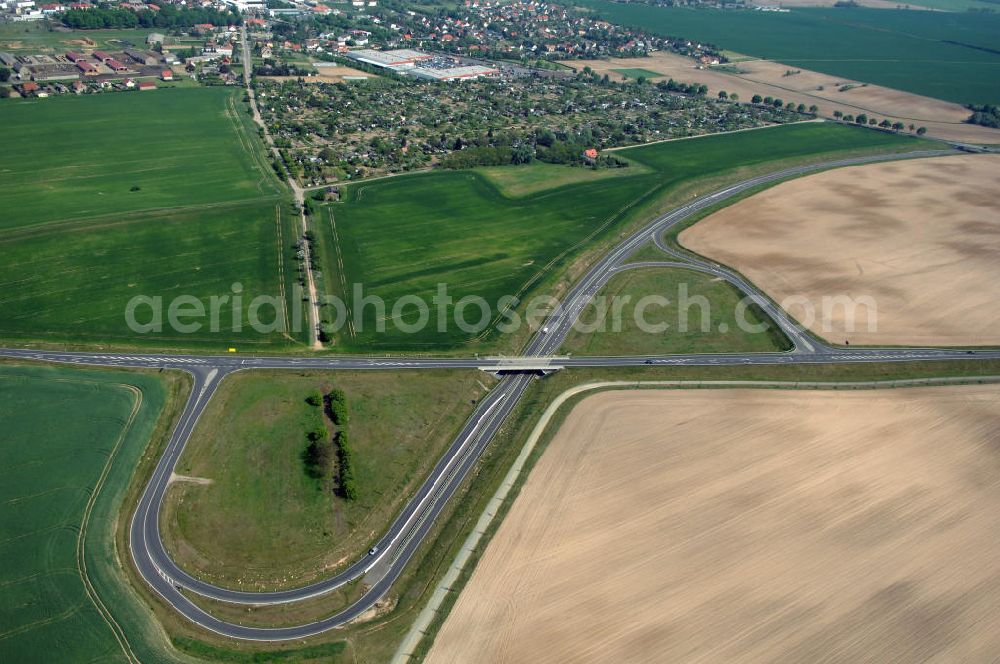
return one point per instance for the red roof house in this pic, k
(147, 85)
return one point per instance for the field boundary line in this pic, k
(812, 94)
(717, 133)
(614, 217)
(41, 622)
(281, 267)
(340, 269)
(234, 121)
(116, 629)
(423, 621)
(257, 161)
(81, 563)
(111, 220)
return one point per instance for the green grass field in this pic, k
(636, 73)
(70, 445)
(518, 182)
(951, 56)
(159, 194)
(60, 283)
(264, 521)
(35, 37)
(953, 5)
(691, 328)
(178, 147)
(403, 236)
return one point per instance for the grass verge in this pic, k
(264, 520)
(695, 313)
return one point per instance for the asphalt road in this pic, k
(406, 533)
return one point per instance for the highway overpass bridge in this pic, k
(542, 366)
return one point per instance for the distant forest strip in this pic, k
(99, 18)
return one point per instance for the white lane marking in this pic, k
(430, 492)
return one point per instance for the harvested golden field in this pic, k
(919, 239)
(749, 526)
(767, 78)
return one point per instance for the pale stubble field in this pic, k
(749, 525)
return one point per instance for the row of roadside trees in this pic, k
(865, 120)
(860, 119)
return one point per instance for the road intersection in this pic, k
(404, 536)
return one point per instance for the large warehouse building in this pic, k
(421, 65)
(453, 73)
(400, 58)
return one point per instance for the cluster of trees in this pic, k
(544, 145)
(100, 17)
(4, 74)
(169, 16)
(272, 68)
(778, 102)
(554, 150)
(487, 155)
(671, 85)
(318, 455)
(322, 450)
(986, 115)
(347, 484)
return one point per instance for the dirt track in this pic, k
(749, 525)
(943, 119)
(921, 238)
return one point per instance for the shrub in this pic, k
(987, 115)
(338, 413)
(337, 407)
(318, 432)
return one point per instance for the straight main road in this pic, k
(407, 532)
